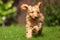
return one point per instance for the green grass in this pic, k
(18, 33)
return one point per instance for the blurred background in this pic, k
(10, 10)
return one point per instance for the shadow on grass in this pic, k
(38, 35)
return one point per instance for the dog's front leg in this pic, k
(28, 29)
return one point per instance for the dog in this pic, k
(34, 19)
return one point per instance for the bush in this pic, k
(52, 14)
(6, 10)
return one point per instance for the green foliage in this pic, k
(52, 14)
(6, 9)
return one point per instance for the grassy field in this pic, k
(18, 33)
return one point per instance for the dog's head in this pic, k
(33, 11)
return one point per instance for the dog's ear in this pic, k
(39, 4)
(24, 6)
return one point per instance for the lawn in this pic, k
(18, 33)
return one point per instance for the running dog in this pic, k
(34, 19)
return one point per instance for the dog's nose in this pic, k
(36, 17)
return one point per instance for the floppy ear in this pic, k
(39, 4)
(24, 6)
